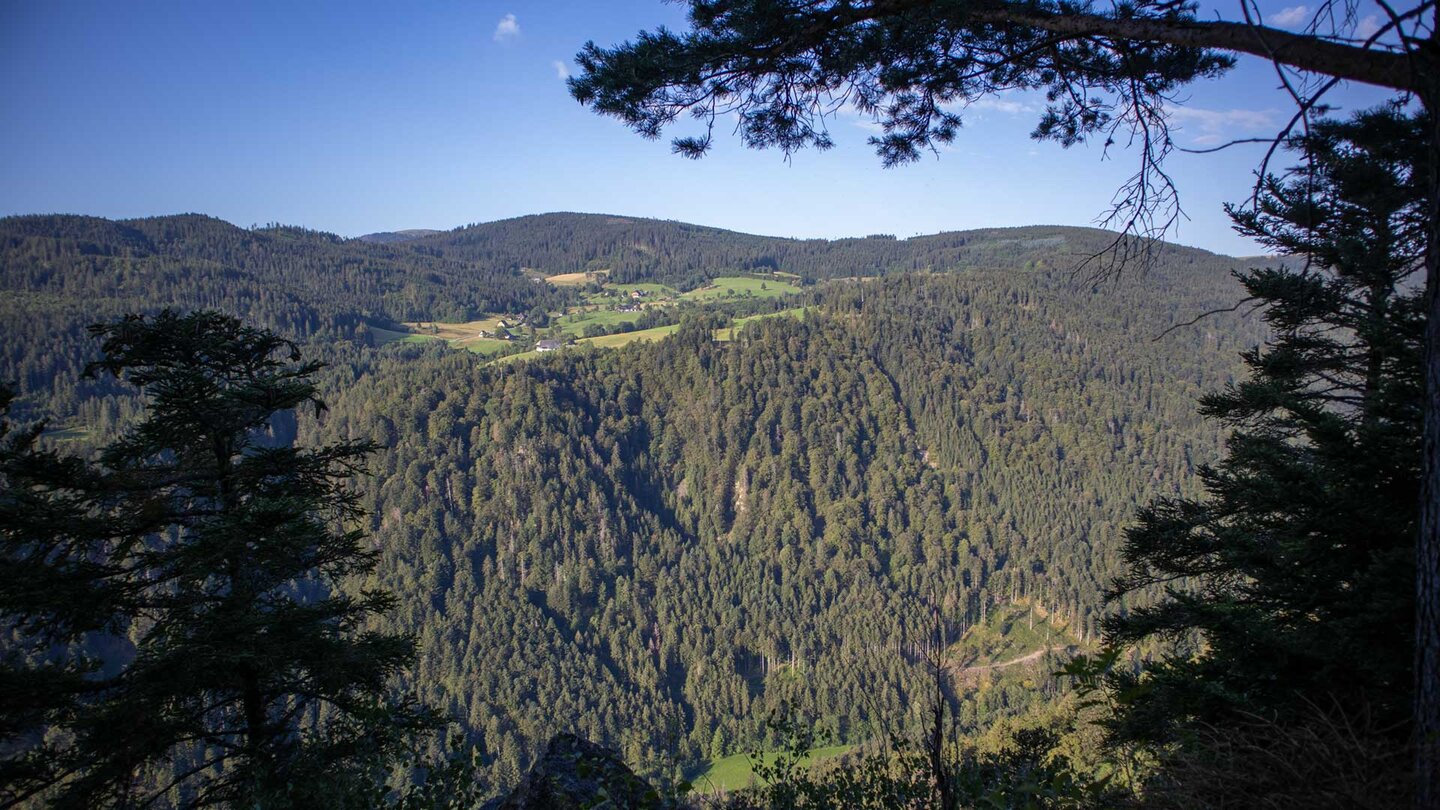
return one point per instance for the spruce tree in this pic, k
(1293, 575)
(238, 667)
(61, 581)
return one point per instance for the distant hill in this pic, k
(685, 256)
(392, 237)
(59, 273)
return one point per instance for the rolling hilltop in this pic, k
(683, 255)
(59, 273)
(391, 237)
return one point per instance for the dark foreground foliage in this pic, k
(1295, 571)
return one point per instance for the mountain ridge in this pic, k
(446, 236)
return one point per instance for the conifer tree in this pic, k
(59, 582)
(1294, 571)
(253, 679)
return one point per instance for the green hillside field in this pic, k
(738, 770)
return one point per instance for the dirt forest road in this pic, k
(1024, 659)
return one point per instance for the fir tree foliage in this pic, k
(243, 672)
(57, 585)
(1294, 570)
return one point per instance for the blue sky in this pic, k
(355, 117)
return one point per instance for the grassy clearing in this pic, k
(513, 358)
(794, 312)
(735, 772)
(454, 332)
(575, 323)
(487, 346)
(459, 335)
(652, 288)
(729, 332)
(383, 336)
(772, 287)
(614, 341)
(1007, 633)
(570, 279)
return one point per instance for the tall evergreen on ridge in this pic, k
(1295, 570)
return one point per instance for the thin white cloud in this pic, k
(848, 112)
(1000, 104)
(1367, 27)
(1214, 127)
(507, 29)
(1291, 17)
(562, 71)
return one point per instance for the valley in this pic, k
(750, 476)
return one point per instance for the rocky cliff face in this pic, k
(576, 773)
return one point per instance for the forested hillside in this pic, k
(659, 545)
(60, 273)
(683, 255)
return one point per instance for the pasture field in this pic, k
(771, 287)
(728, 332)
(614, 341)
(735, 771)
(574, 324)
(459, 335)
(512, 358)
(383, 336)
(486, 346)
(454, 332)
(569, 279)
(656, 290)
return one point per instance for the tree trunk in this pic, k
(1427, 546)
(1379, 67)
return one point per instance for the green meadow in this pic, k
(771, 287)
(736, 771)
(614, 341)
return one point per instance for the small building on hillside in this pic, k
(548, 345)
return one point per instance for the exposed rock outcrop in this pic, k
(576, 773)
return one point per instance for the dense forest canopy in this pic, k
(659, 545)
